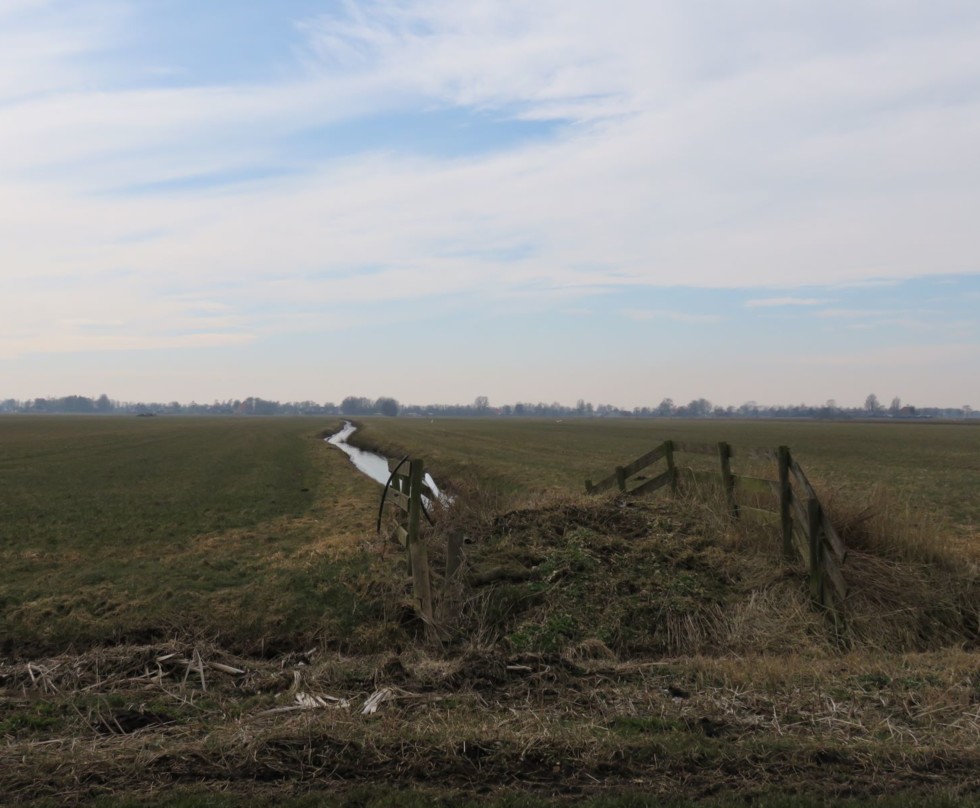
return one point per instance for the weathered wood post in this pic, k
(814, 518)
(786, 502)
(621, 479)
(669, 457)
(417, 551)
(727, 478)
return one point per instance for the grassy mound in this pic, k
(670, 577)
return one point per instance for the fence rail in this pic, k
(404, 491)
(407, 492)
(806, 530)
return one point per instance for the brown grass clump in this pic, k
(137, 720)
(877, 522)
(570, 573)
(911, 588)
(681, 577)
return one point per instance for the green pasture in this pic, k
(130, 528)
(254, 532)
(933, 467)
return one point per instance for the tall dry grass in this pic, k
(908, 589)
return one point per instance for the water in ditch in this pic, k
(372, 464)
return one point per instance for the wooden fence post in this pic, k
(669, 457)
(813, 517)
(727, 478)
(785, 502)
(621, 478)
(418, 554)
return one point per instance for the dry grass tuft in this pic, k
(878, 522)
(681, 577)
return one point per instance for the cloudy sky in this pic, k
(551, 200)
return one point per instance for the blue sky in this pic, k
(437, 200)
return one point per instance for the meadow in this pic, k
(135, 528)
(932, 468)
(197, 612)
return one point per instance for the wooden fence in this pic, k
(408, 492)
(805, 527)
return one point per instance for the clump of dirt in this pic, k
(633, 577)
(641, 577)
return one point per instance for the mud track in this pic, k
(485, 722)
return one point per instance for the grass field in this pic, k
(134, 528)
(935, 468)
(177, 594)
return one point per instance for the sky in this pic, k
(766, 200)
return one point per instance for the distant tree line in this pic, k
(359, 405)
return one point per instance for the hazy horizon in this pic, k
(482, 406)
(539, 202)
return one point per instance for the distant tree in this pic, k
(519, 408)
(356, 405)
(896, 406)
(699, 408)
(871, 404)
(387, 406)
(666, 407)
(259, 406)
(73, 404)
(481, 404)
(102, 404)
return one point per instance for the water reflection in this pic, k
(374, 465)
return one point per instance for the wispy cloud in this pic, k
(726, 151)
(849, 314)
(898, 356)
(672, 316)
(771, 302)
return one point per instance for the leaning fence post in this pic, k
(813, 517)
(621, 478)
(416, 547)
(669, 457)
(785, 502)
(727, 478)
